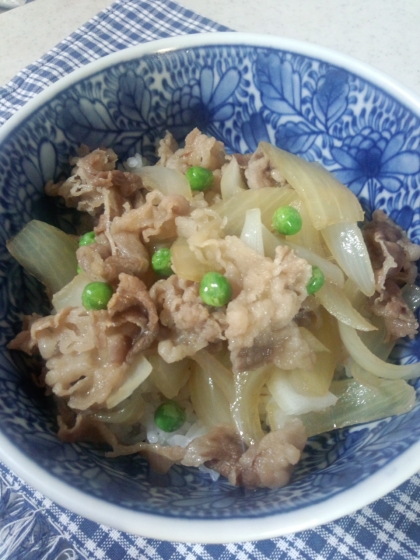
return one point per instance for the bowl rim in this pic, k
(218, 531)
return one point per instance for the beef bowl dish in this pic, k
(209, 283)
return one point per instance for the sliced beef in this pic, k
(104, 262)
(88, 353)
(120, 240)
(260, 321)
(199, 149)
(393, 256)
(259, 173)
(95, 183)
(155, 219)
(189, 324)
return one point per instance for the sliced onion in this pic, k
(127, 412)
(169, 378)
(71, 294)
(376, 341)
(270, 242)
(347, 246)
(276, 417)
(336, 302)
(327, 200)
(222, 376)
(138, 372)
(251, 233)
(315, 382)
(231, 182)
(291, 401)
(313, 342)
(184, 262)
(326, 330)
(208, 400)
(331, 271)
(361, 375)
(267, 199)
(307, 236)
(165, 180)
(245, 410)
(358, 403)
(47, 253)
(367, 360)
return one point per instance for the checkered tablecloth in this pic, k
(31, 526)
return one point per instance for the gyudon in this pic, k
(224, 308)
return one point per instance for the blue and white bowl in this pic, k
(242, 89)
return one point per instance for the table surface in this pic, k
(381, 33)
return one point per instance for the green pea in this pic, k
(87, 239)
(170, 416)
(215, 289)
(287, 220)
(79, 269)
(199, 178)
(161, 262)
(96, 295)
(316, 282)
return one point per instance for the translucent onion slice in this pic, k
(266, 199)
(165, 180)
(270, 242)
(47, 253)
(327, 200)
(376, 341)
(231, 182)
(331, 271)
(357, 403)
(208, 400)
(367, 360)
(71, 294)
(138, 372)
(291, 401)
(315, 382)
(314, 343)
(361, 375)
(222, 376)
(169, 378)
(245, 410)
(347, 246)
(251, 233)
(336, 302)
(184, 262)
(308, 236)
(326, 330)
(276, 417)
(127, 412)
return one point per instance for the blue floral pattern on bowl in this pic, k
(241, 95)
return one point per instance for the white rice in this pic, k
(134, 164)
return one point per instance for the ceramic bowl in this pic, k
(242, 89)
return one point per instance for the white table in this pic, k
(382, 33)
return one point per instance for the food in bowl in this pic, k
(350, 119)
(226, 307)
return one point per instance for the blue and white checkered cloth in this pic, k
(32, 526)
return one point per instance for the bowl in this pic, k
(242, 89)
